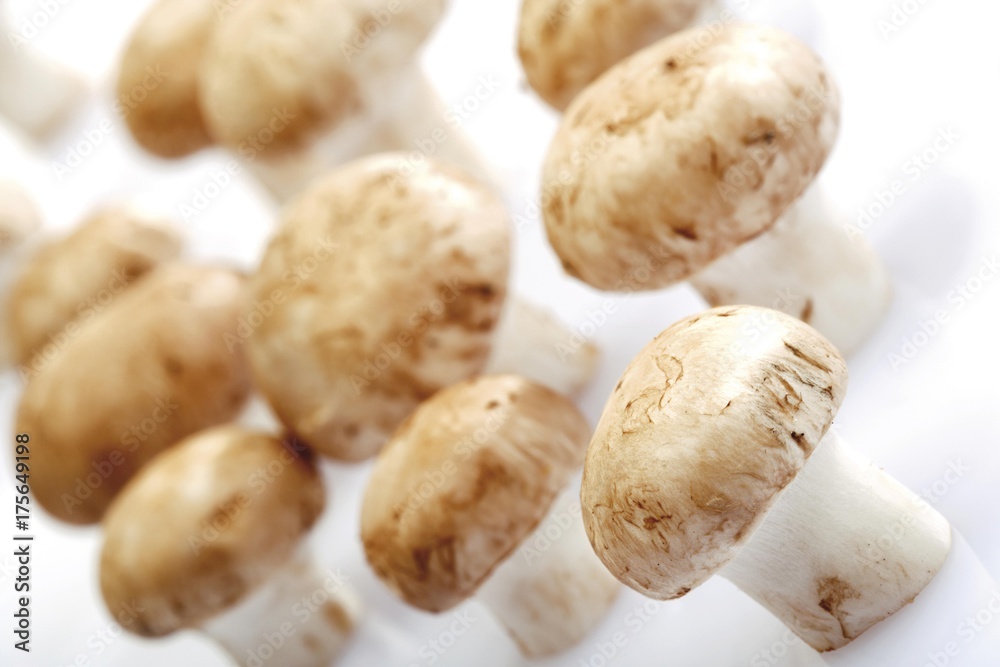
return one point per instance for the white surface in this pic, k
(933, 421)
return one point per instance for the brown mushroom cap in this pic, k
(293, 70)
(465, 479)
(385, 290)
(683, 151)
(148, 371)
(564, 46)
(158, 79)
(68, 279)
(203, 525)
(706, 427)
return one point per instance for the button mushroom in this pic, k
(19, 220)
(714, 455)
(224, 553)
(690, 159)
(148, 371)
(467, 482)
(377, 292)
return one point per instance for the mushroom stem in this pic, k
(404, 114)
(553, 590)
(532, 343)
(843, 547)
(301, 616)
(808, 266)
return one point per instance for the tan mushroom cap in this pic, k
(204, 524)
(148, 371)
(564, 46)
(72, 278)
(157, 84)
(684, 151)
(279, 73)
(706, 427)
(463, 482)
(386, 289)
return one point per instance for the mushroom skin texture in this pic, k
(497, 451)
(61, 281)
(152, 369)
(713, 455)
(564, 46)
(236, 582)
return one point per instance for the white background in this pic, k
(941, 408)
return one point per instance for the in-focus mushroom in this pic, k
(150, 370)
(70, 279)
(377, 291)
(690, 160)
(462, 492)
(210, 536)
(715, 455)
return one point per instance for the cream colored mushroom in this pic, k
(377, 291)
(19, 220)
(690, 160)
(463, 486)
(714, 455)
(225, 551)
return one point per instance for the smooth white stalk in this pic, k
(553, 590)
(809, 266)
(844, 547)
(531, 342)
(300, 617)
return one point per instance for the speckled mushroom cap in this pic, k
(103, 256)
(684, 151)
(564, 46)
(390, 289)
(198, 529)
(463, 481)
(158, 78)
(301, 65)
(706, 427)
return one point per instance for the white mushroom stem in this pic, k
(553, 590)
(843, 547)
(400, 113)
(300, 618)
(808, 265)
(532, 343)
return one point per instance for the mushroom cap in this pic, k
(683, 151)
(384, 289)
(19, 217)
(279, 73)
(564, 46)
(463, 481)
(157, 84)
(109, 251)
(706, 427)
(204, 524)
(151, 369)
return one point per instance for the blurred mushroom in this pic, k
(152, 369)
(19, 220)
(377, 291)
(714, 455)
(690, 160)
(465, 484)
(225, 552)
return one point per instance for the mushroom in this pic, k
(152, 368)
(224, 553)
(714, 454)
(66, 280)
(36, 94)
(377, 291)
(19, 220)
(690, 159)
(298, 87)
(466, 486)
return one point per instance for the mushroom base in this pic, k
(844, 547)
(299, 618)
(553, 590)
(37, 94)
